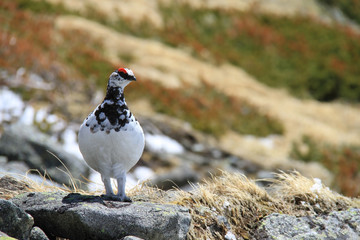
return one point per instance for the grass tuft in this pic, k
(232, 196)
(234, 202)
(306, 195)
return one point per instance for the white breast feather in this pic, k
(112, 153)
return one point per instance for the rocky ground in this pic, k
(155, 214)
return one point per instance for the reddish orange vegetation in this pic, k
(263, 34)
(26, 41)
(348, 177)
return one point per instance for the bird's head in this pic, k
(121, 77)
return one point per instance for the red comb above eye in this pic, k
(122, 70)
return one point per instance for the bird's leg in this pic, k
(121, 180)
(108, 188)
(110, 196)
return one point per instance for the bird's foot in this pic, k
(116, 198)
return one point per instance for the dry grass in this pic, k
(230, 202)
(15, 184)
(308, 196)
(232, 196)
(244, 204)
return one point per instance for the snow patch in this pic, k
(44, 119)
(230, 236)
(130, 181)
(95, 184)
(317, 187)
(51, 118)
(70, 143)
(27, 117)
(226, 204)
(58, 126)
(143, 173)
(139, 175)
(163, 144)
(267, 142)
(11, 105)
(40, 115)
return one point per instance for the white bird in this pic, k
(110, 139)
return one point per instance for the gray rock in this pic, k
(336, 225)
(10, 187)
(76, 216)
(178, 177)
(20, 171)
(38, 234)
(14, 221)
(27, 144)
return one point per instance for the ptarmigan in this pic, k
(111, 140)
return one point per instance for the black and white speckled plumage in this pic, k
(111, 140)
(111, 114)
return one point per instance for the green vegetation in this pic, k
(41, 6)
(350, 8)
(343, 161)
(306, 57)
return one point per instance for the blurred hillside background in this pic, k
(274, 82)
